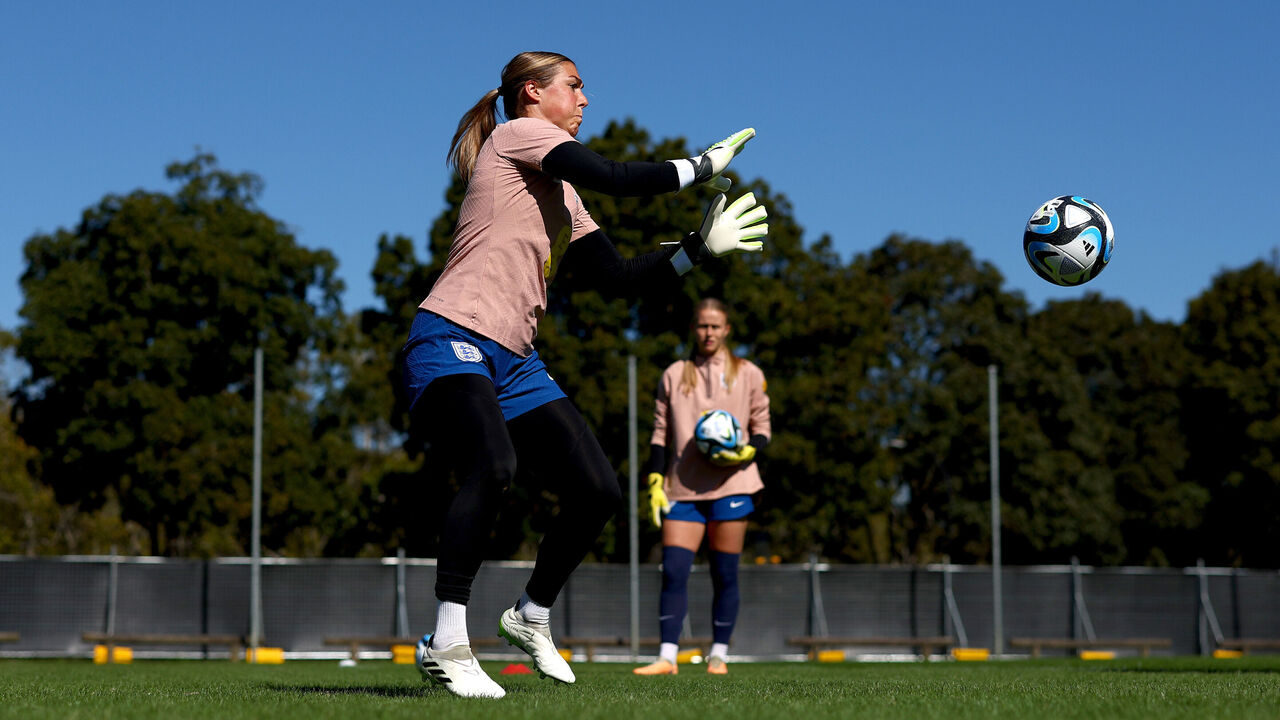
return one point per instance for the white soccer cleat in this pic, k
(535, 639)
(456, 669)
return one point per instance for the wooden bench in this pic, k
(354, 643)
(9, 637)
(1244, 645)
(924, 645)
(235, 643)
(1143, 644)
(589, 644)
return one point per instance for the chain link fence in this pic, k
(49, 602)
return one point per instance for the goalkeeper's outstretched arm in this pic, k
(574, 162)
(593, 261)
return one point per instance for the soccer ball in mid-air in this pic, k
(717, 430)
(1068, 241)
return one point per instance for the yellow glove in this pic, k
(741, 456)
(658, 503)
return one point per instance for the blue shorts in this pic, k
(730, 507)
(438, 347)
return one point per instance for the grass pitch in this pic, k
(1132, 688)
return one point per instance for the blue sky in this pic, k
(941, 120)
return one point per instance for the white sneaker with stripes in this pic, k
(456, 669)
(535, 639)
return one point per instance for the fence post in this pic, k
(402, 604)
(817, 614)
(113, 590)
(1081, 621)
(204, 601)
(1235, 586)
(997, 590)
(633, 524)
(255, 535)
(953, 610)
(944, 606)
(1208, 618)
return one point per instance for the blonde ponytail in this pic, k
(473, 129)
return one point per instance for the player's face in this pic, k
(710, 329)
(561, 101)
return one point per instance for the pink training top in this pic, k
(690, 475)
(514, 226)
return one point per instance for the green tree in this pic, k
(1088, 393)
(141, 324)
(31, 520)
(947, 318)
(362, 447)
(1232, 414)
(1117, 377)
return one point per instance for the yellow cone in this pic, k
(119, 655)
(1097, 655)
(264, 656)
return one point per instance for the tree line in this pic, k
(1123, 439)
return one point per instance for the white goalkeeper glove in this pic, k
(706, 168)
(723, 231)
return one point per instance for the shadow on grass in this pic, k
(371, 690)
(425, 691)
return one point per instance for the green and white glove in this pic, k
(706, 168)
(723, 231)
(658, 503)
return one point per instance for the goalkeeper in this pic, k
(700, 495)
(475, 385)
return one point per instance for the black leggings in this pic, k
(462, 416)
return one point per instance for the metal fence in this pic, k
(49, 602)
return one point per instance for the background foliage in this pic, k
(1124, 440)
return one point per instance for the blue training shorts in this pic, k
(731, 507)
(438, 347)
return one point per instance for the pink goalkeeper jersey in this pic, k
(690, 476)
(514, 226)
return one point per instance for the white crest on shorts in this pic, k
(467, 352)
